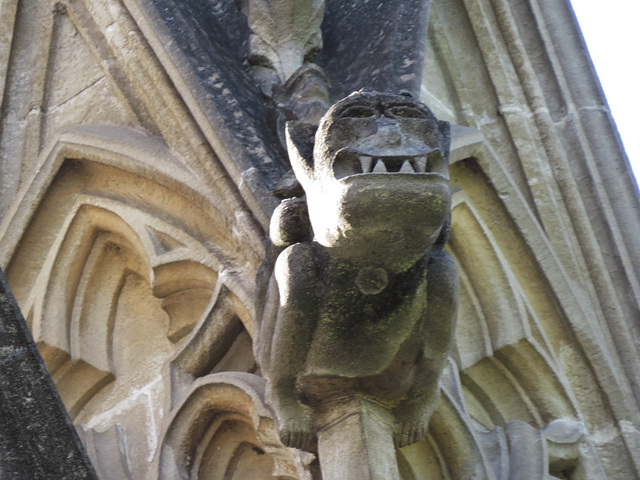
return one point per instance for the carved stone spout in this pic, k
(361, 308)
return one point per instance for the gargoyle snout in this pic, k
(389, 132)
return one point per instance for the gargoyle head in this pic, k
(375, 173)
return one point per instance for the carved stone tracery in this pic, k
(131, 205)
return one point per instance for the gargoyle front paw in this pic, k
(298, 433)
(407, 433)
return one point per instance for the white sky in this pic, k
(612, 32)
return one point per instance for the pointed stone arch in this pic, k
(223, 429)
(125, 252)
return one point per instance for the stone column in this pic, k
(356, 441)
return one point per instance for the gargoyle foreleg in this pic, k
(295, 324)
(413, 414)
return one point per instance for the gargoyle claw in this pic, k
(409, 433)
(297, 433)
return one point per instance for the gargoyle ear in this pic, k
(300, 139)
(445, 131)
(445, 231)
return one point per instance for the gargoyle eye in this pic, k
(406, 111)
(359, 111)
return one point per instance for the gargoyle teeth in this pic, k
(380, 167)
(354, 164)
(420, 164)
(406, 168)
(365, 162)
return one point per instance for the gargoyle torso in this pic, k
(364, 305)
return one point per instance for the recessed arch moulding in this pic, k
(115, 260)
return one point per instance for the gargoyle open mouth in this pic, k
(348, 162)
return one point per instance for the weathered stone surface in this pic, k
(213, 38)
(37, 438)
(285, 35)
(134, 156)
(356, 441)
(374, 44)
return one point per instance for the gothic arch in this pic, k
(125, 256)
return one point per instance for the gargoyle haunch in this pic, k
(365, 304)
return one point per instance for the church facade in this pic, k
(142, 156)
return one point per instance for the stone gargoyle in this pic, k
(365, 301)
